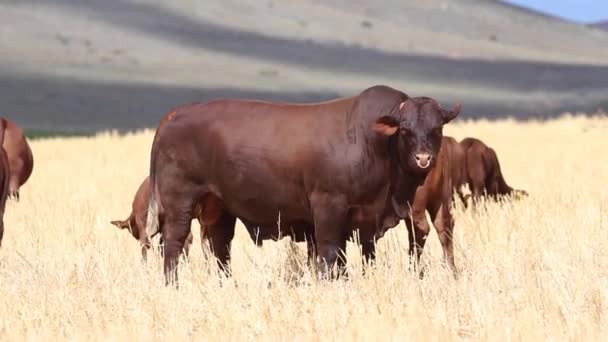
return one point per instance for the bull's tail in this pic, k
(152, 220)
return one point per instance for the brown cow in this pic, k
(4, 176)
(484, 176)
(136, 222)
(338, 166)
(436, 196)
(20, 158)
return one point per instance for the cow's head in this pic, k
(418, 124)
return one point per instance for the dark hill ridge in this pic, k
(601, 25)
(95, 64)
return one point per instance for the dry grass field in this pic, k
(533, 269)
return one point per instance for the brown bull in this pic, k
(484, 175)
(4, 176)
(436, 196)
(313, 171)
(20, 158)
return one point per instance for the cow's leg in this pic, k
(203, 233)
(444, 223)
(477, 184)
(13, 187)
(311, 249)
(462, 198)
(368, 249)
(188, 243)
(145, 244)
(220, 234)
(418, 230)
(1, 227)
(329, 213)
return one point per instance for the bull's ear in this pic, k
(449, 115)
(386, 125)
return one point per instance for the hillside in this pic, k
(86, 65)
(601, 25)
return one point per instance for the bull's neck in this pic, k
(403, 183)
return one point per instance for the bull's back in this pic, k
(239, 149)
(278, 138)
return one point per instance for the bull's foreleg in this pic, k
(329, 213)
(368, 249)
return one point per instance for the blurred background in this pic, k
(79, 66)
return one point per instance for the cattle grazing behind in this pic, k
(320, 170)
(136, 222)
(484, 176)
(4, 176)
(20, 157)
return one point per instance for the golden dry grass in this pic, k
(534, 269)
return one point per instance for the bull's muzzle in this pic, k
(423, 160)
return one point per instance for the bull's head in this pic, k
(418, 122)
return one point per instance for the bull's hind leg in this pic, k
(175, 231)
(444, 224)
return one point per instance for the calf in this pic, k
(4, 176)
(136, 222)
(484, 176)
(19, 155)
(435, 196)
